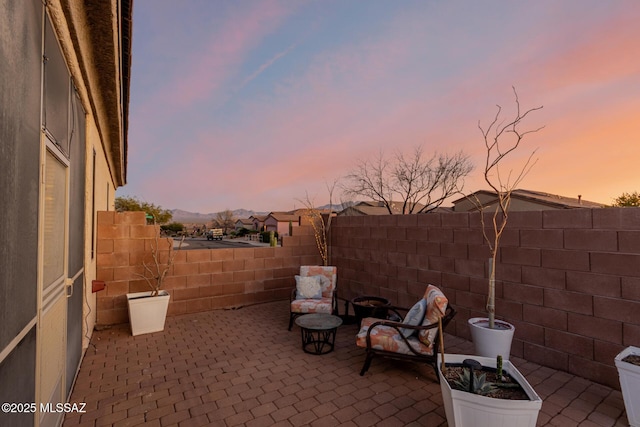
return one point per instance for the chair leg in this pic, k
(367, 363)
(435, 368)
(292, 317)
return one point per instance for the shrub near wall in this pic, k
(568, 280)
(201, 279)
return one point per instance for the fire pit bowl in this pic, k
(370, 306)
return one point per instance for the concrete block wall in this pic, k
(568, 280)
(200, 279)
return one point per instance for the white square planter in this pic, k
(465, 409)
(630, 384)
(146, 313)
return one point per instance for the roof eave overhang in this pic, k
(100, 33)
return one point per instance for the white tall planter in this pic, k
(466, 409)
(491, 342)
(146, 313)
(630, 383)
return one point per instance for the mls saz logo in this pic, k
(63, 407)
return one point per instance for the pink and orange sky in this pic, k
(254, 104)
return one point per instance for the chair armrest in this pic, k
(393, 324)
(449, 314)
(293, 295)
(397, 326)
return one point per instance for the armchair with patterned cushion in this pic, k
(315, 292)
(415, 338)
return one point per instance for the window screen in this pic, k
(54, 219)
(56, 91)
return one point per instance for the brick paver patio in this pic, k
(242, 367)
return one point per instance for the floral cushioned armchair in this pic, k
(415, 338)
(315, 291)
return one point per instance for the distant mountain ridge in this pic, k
(199, 218)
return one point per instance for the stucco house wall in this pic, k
(65, 141)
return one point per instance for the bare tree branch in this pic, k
(419, 184)
(370, 179)
(320, 222)
(446, 178)
(155, 273)
(494, 135)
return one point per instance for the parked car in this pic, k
(214, 234)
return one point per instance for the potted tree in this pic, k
(493, 337)
(628, 365)
(148, 309)
(485, 392)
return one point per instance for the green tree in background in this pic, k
(628, 199)
(162, 216)
(175, 227)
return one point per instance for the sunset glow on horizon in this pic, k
(255, 104)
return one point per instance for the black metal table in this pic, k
(318, 332)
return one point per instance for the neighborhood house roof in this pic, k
(283, 216)
(376, 208)
(553, 201)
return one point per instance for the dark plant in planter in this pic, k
(469, 381)
(472, 377)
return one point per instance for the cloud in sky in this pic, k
(267, 64)
(253, 104)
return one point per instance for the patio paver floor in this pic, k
(243, 368)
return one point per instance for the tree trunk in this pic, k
(491, 298)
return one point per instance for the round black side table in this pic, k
(318, 332)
